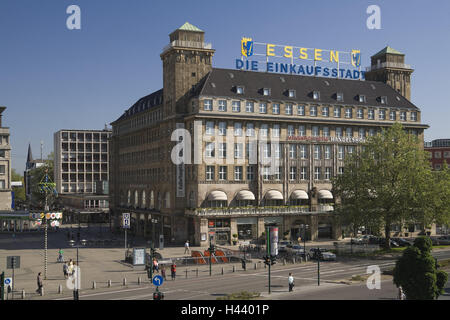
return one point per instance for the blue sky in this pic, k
(52, 78)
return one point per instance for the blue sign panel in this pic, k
(157, 280)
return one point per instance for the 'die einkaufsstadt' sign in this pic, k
(303, 61)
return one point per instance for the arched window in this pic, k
(159, 201)
(143, 200)
(167, 200)
(136, 198)
(129, 197)
(152, 200)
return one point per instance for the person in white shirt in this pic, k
(186, 247)
(291, 282)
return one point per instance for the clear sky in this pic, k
(52, 78)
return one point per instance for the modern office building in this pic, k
(81, 162)
(5, 166)
(439, 152)
(315, 121)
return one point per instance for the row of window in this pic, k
(295, 173)
(295, 150)
(138, 122)
(438, 154)
(316, 131)
(313, 110)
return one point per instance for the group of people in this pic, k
(68, 268)
(173, 269)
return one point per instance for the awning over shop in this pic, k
(299, 194)
(325, 194)
(245, 195)
(217, 195)
(274, 195)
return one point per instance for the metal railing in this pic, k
(188, 44)
(254, 210)
(389, 65)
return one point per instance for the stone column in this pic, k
(260, 228)
(336, 229)
(314, 227)
(233, 228)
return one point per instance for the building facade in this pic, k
(307, 125)
(81, 163)
(5, 166)
(439, 152)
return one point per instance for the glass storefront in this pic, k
(247, 228)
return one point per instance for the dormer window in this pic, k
(362, 98)
(291, 93)
(316, 95)
(240, 90)
(266, 91)
(413, 116)
(383, 100)
(339, 96)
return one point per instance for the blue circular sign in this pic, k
(7, 281)
(157, 280)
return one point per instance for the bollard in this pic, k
(94, 285)
(186, 273)
(284, 262)
(197, 272)
(124, 281)
(60, 289)
(42, 291)
(255, 266)
(23, 294)
(293, 260)
(139, 280)
(234, 268)
(109, 283)
(222, 270)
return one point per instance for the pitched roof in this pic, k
(30, 155)
(223, 83)
(189, 27)
(387, 50)
(152, 100)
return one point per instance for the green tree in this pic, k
(389, 181)
(19, 192)
(417, 272)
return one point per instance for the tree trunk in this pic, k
(387, 231)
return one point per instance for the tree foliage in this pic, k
(19, 192)
(389, 181)
(417, 272)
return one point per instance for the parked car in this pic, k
(402, 242)
(296, 250)
(322, 254)
(444, 240)
(283, 245)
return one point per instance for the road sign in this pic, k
(13, 262)
(126, 220)
(158, 280)
(8, 282)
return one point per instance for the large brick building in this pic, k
(317, 121)
(439, 153)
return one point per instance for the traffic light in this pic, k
(266, 260)
(273, 260)
(158, 295)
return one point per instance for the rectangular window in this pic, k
(209, 128)
(210, 173)
(392, 115)
(413, 116)
(301, 110)
(383, 100)
(341, 170)
(222, 173)
(277, 150)
(266, 173)
(338, 132)
(276, 108)
(382, 114)
(316, 152)
(238, 129)
(263, 131)
(266, 150)
(240, 90)
(277, 175)
(362, 133)
(317, 173)
(250, 130)
(348, 113)
(250, 173)
(446, 154)
(327, 173)
(276, 130)
(327, 151)
(313, 111)
(223, 105)
(292, 151)
(263, 107)
(315, 131)
(222, 150)
(360, 113)
(303, 151)
(290, 130)
(371, 114)
(237, 173)
(326, 131)
(222, 128)
(349, 132)
(238, 150)
(341, 152)
(301, 130)
(2, 169)
(288, 108)
(337, 112)
(325, 111)
(303, 173)
(293, 173)
(350, 149)
(437, 155)
(236, 106)
(207, 105)
(340, 96)
(403, 115)
(210, 146)
(371, 132)
(249, 107)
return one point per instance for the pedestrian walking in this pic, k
(65, 270)
(70, 268)
(163, 272)
(291, 282)
(186, 247)
(401, 294)
(39, 283)
(173, 270)
(60, 255)
(155, 265)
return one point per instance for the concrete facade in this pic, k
(5, 166)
